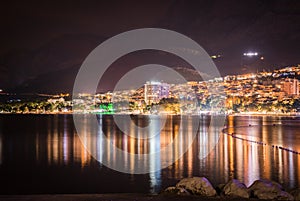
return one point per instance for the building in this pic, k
(291, 87)
(155, 91)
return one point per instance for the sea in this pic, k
(88, 153)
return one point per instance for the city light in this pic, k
(248, 93)
(215, 56)
(250, 54)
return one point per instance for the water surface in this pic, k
(43, 154)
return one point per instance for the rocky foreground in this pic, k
(260, 189)
(188, 189)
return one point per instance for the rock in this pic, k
(265, 185)
(265, 195)
(235, 188)
(197, 186)
(284, 196)
(172, 190)
(269, 190)
(296, 194)
(182, 191)
(269, 195)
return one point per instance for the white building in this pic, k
(155, 91)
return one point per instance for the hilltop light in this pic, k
(215, 56)
(250, 54)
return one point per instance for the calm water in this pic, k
(43, 154)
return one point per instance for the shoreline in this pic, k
(116, 197)
(164, 114)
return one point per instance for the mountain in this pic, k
(59, 58)
(57, 81)
(231, 28)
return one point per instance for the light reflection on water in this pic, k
(264, 161)
(52, 141)
(231, 158)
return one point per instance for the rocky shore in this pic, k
(194, 189)
(260, 189)
(117, 197)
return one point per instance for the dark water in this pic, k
(43, 154)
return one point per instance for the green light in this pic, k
(106, 108)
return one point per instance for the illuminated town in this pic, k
(266, 92)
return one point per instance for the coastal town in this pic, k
(265, 92)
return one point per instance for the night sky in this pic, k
(43, 43)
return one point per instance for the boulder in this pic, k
(197, 186)
(235, 188)
(265, 185)
(172, 190)
(285, 196)
(182, 191)
(265, 195)
(296, 194)
(268, 190)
